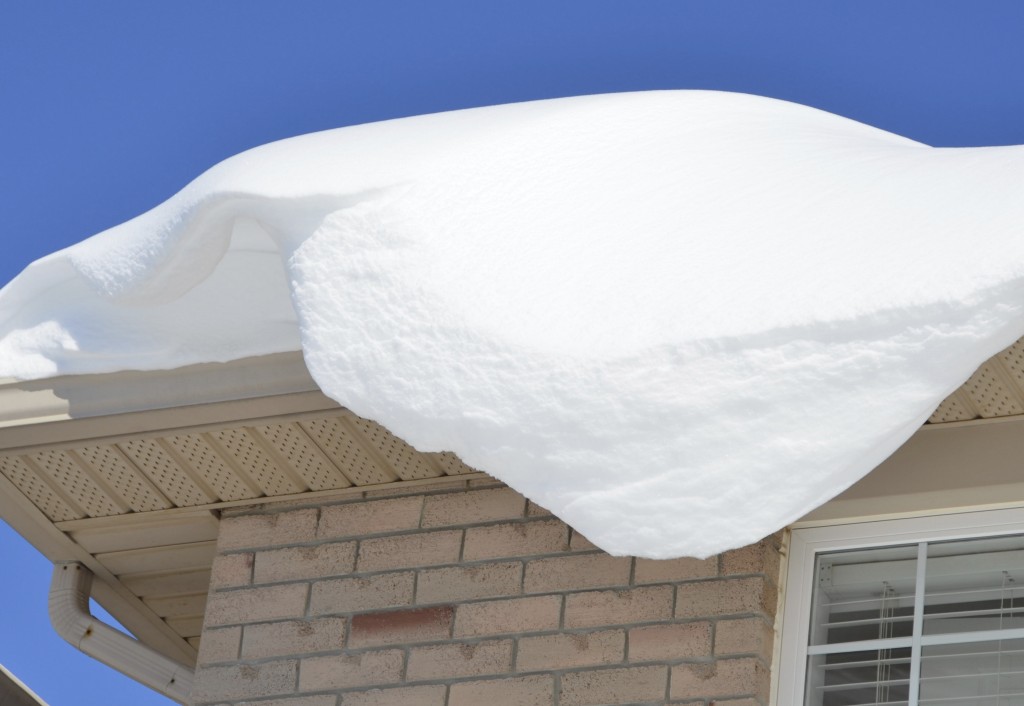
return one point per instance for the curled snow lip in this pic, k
(679, 320)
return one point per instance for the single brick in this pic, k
(344, 671)
(570, 573)
(401, 696)
(459, 660)
(230, 570)
(725, 597)
(614, 686)
(409, 550)
(570, 650)
(244, 531)
(657, 643)
(461, 583)
(515, 539)
(219, 645)
(350, 595)
(401, 626)
(372, 517)
(632, 605)
(726, 677)
(243, 681)
(760, 558)
(535, 510)
(534, 690)
(318, 700)
(579, 543)
(297, 563)
(744, 636)
(293, 637)
(532, 614)
(666, 570)
(472, 507)
(250, 605)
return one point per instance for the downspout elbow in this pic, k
(70, 616)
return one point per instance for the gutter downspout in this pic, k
(69, 614)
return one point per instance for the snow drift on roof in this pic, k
(679, 320)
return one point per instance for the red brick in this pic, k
(570, 573)
(515, 539)
(532, 614)
(296, 563)
(534, 690)
(344, 671)
(293, 637)
(245, 531)
(666, 643)
(468, 659)
(409, 550)
(570, 650)
(358, 594)
(614, 686)
(725, 597)
(668, 570)
(461, 583)
(728, 677)
(633, 605)
(472, 507)
(401, 627)
(371, 517)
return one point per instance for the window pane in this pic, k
(973, 674)
(864, 595)
(974, 585)
(859, 678)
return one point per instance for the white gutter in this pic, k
(69, 613)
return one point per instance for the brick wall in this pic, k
(473, 598)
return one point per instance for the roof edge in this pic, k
(26, 402)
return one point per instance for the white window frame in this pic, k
(806, 543)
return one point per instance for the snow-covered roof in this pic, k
(678, 320)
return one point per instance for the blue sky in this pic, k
(107, 108)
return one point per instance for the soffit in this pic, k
(995, 390)
(135, 496)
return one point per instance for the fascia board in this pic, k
(39, 402)
(942, 468)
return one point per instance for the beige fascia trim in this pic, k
(780, 613)
(14, 692)
(70, 616)
(941, 469)
(35, 402)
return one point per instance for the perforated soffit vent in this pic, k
(995, 390)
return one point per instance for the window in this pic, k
(921, 612)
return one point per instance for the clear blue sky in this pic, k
(107, 108)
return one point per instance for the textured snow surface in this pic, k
(679, 320)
